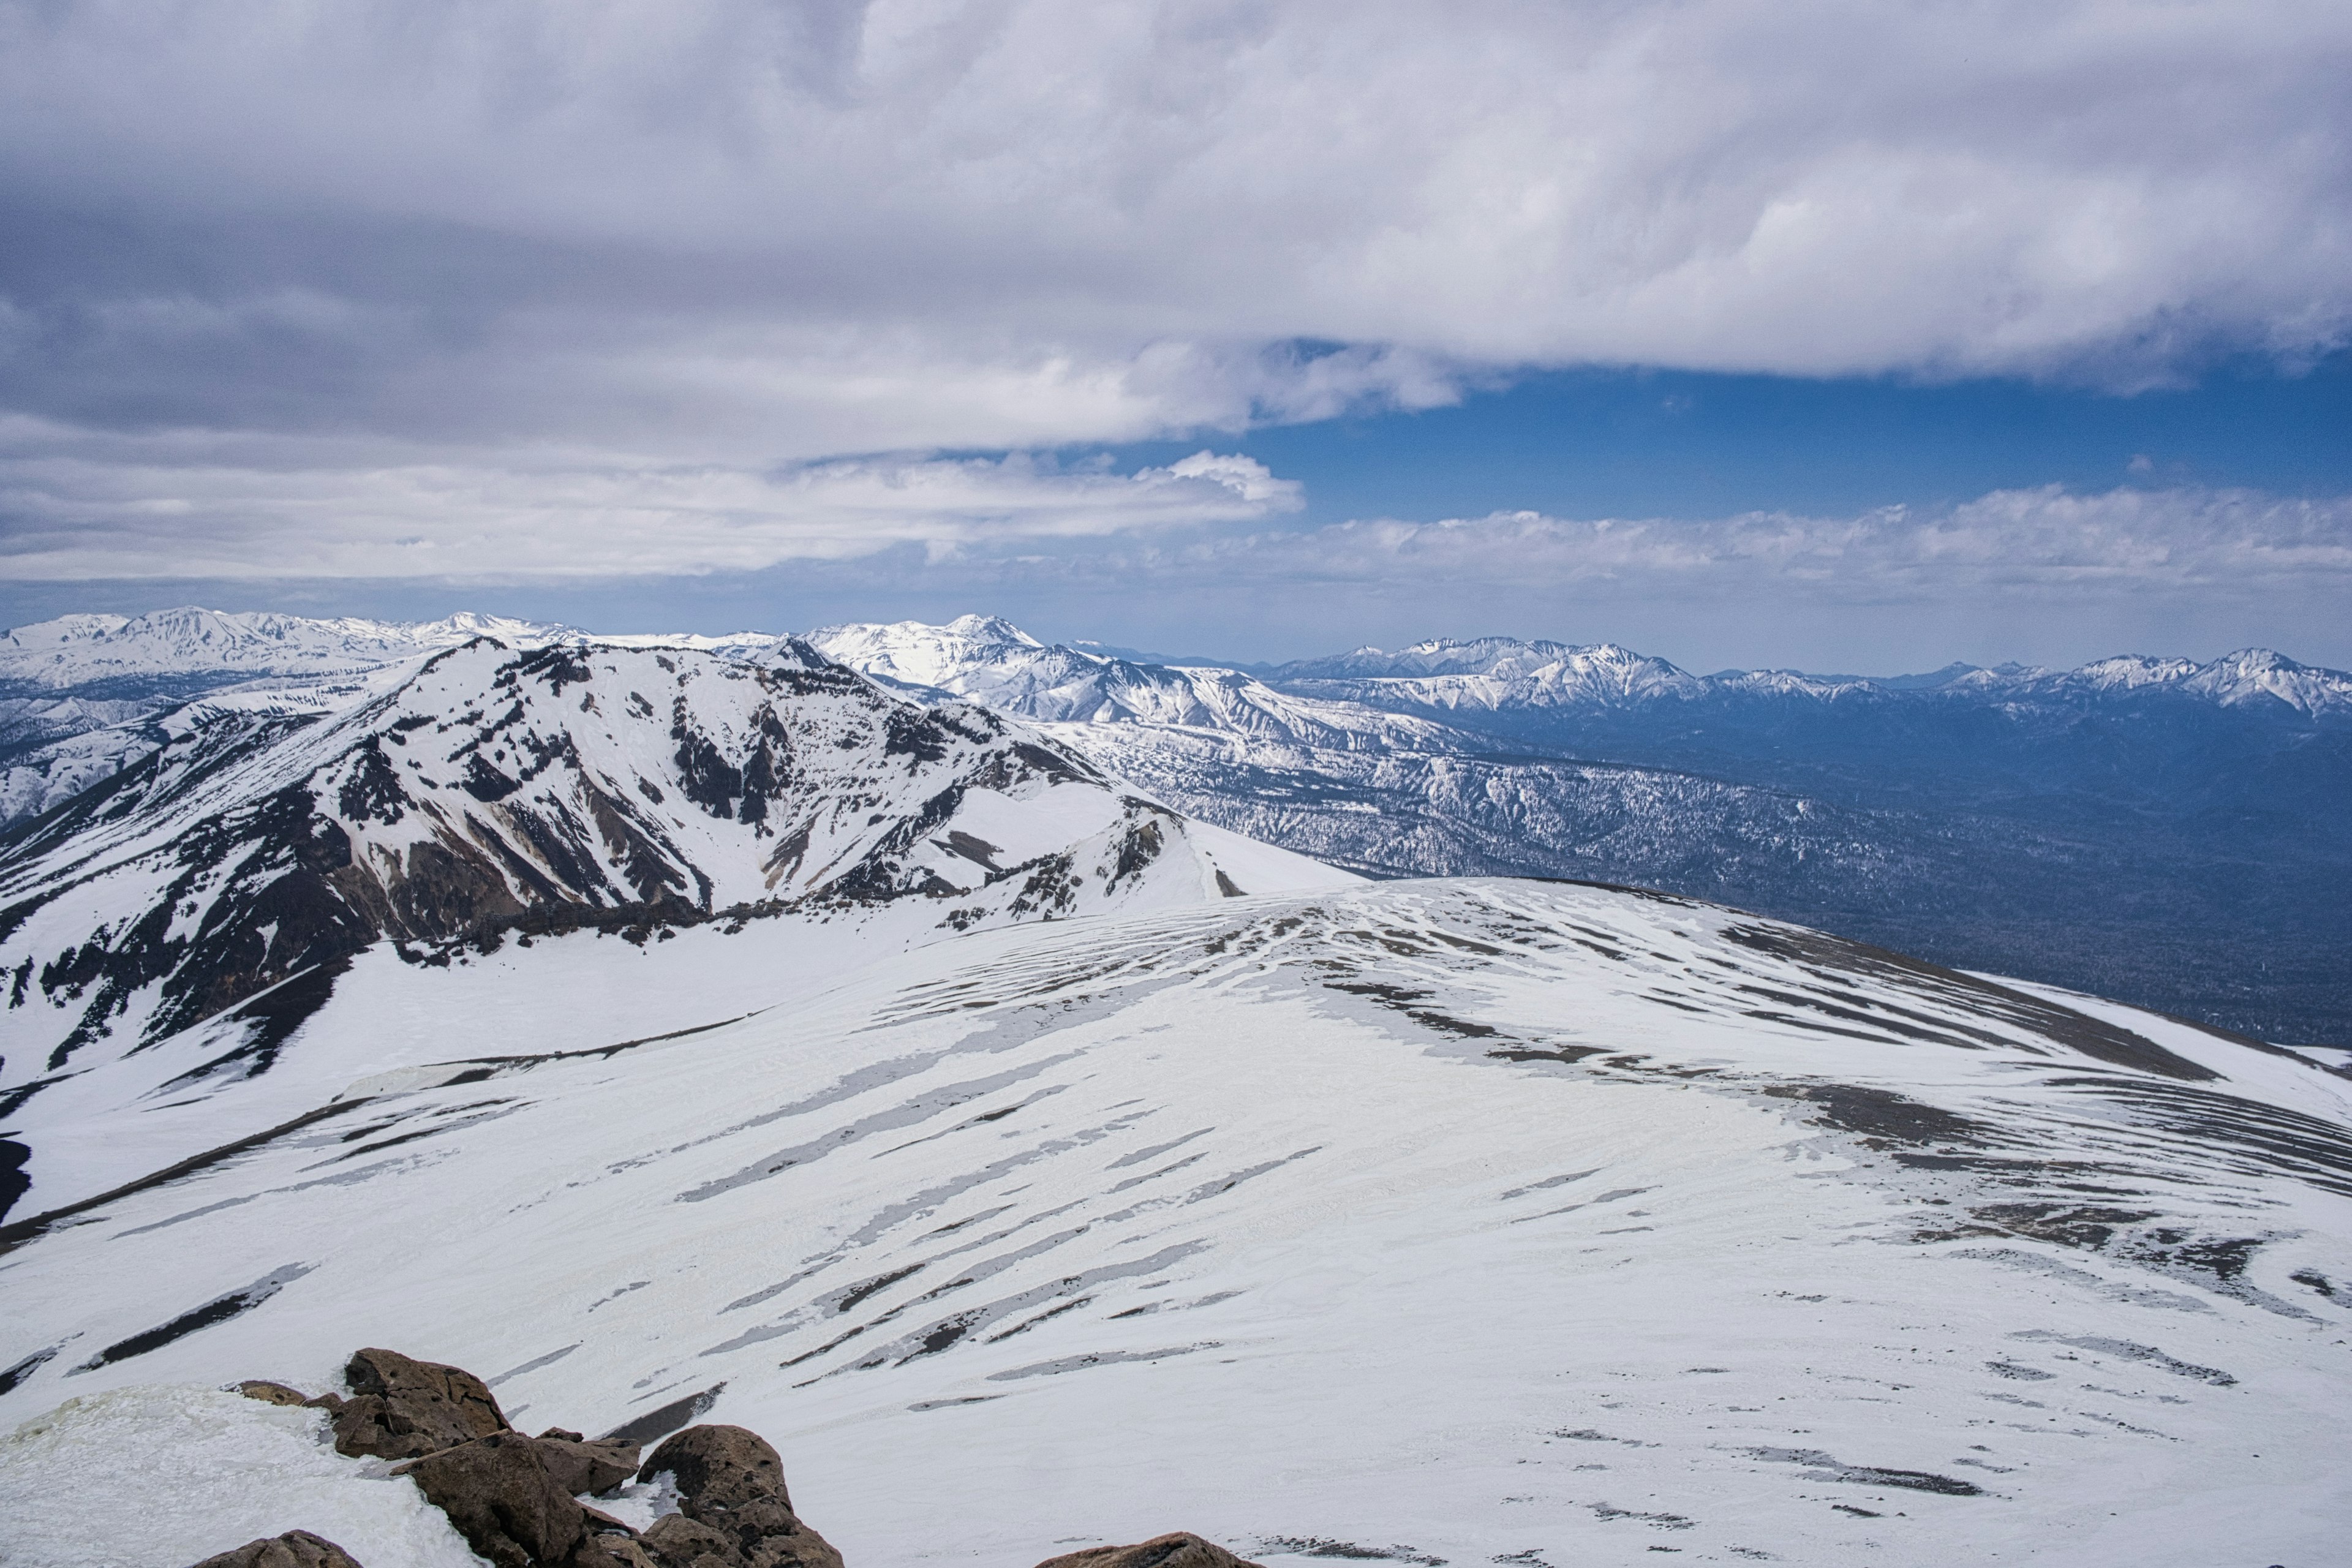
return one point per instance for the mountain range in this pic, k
(2160, 829)
(2171, 832)
(911, 1066)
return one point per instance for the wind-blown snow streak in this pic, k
(1451, 1222)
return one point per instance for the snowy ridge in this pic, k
(991, 662)
(82, 650)
(1450, 1222)
(83, 697)
(234, 874)
(1501, 673)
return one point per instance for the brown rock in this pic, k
(1180, 1550)
(401, 1408)
(295, 1549)
(803, 1548)
(581, 1466)
(727, 1466)
(730, 1481)
(678, 1541)
(272, 1393)
(564, 1433)
(627, 1551)
(498, 1492)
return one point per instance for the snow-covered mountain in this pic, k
(984, 660)
(83, 697)
(2163, 829)
(213, 894)
(1500, 674)
(2168, 830)
(77, 652)
(1432, 1223)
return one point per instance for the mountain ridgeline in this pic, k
(2162, 830)
(2171, 832)
(238, 868)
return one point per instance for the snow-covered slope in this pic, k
(2166, 829)
(83, 697)
(1433, 1223)
(1498, 674)
(230, 878)
(983, 659)
(80, 651)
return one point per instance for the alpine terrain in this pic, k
(2159, 829)
(683, 1034)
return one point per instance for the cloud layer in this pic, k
(753, 231)
(172, 507)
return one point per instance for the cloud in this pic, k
(88, 508)
(2045, 542)
(2042, 575)
(739, 232)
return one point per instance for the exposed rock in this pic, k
(677, 1542)
(401, 1409)
(272, 1392)
(628, 1551)
(1180, 1550)
(802, 1548)
(580, 1465)
(723, 1466)
(295, 1549)
(731, 1482)
(497, 1490)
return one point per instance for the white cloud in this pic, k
(2045, 542)
(739, 231)
(115, 508)
(2042, 575)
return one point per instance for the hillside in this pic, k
(1425, 1222)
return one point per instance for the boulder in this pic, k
(1180, 1550)
(731, 1482)
(677, 1542)
(497, 1490)
(727, 1466)
(272, 1393)
(628, 1551)
(295, 1549)
(403, 1409)
(580, 1465)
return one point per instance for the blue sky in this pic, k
(1838, 334)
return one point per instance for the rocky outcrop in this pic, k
(406, 1409)
(295, 1549)
(516, 1499)
(499, 1493)
(584, 1464)
(1180, 1550)
(733, 1507)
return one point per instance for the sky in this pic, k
(1862, 336)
